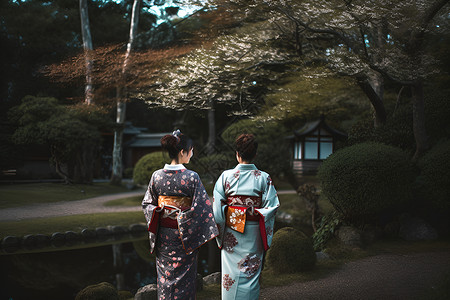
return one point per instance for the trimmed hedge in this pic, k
(435, 174)
(147, 165)
(101, 291)
(291, 251)
(365, 179)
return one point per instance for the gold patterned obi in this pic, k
(170, 207)
(241, 209)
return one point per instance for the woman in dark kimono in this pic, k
(180, 219)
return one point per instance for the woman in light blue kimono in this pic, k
(245, 203)
(180, 219)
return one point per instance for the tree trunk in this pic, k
(87, 45)
(370, 89)
(116, 177)
(420, 133)
(117, 168)
(211, 145)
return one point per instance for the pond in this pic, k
(61, 274)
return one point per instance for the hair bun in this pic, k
(169, 142)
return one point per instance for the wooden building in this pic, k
(311, 144)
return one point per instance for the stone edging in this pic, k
(61, 240)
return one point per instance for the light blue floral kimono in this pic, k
(245, 203)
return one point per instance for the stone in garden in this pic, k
(101, 291)
(118, 230)
(58, 239)
(29, 242)
(370, 234)
(214, 278)
(42, 240)
(148, 292)
(88, 235)
(322, 256)
(138, 229)
(416, 229)
(72, 238)
(350, 236)
(103, 233)
(11, 244)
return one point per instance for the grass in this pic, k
(25, 194)
(74, 223)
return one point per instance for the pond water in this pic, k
(62, 274)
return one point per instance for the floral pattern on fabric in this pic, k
(227, 282)
(254, 201)
(250, 265)
(176, 270)
(196, 224)
(229, 242)
(256, 173)
(236, 218)
(269, 230)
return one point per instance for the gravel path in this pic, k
(385, 276)
(67, 208)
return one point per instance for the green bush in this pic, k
(211, 166)
(273, 148)
(365, 179)
(101, 291)
(397, 131)
(147, 165)
(437, 111)
(291, 251)
(325, 232)
(435, 175)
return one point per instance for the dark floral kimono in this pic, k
(176, 234)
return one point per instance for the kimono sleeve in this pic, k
(197, 225)
(270, 204)
(150, 207)
(219, 209)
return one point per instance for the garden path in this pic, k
(77, 207)
(385, 276)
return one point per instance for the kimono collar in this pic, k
(174, 167)
(246, 167)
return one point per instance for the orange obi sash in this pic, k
(241, 209)
(170, 206)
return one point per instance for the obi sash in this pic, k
(241, 209)
(170, 206)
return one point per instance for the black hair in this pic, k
(174, 143)
(246, 146)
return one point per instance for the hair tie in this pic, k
(176, 134)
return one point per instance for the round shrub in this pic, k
(435, 174)
(365, 179)
(147, 165)
(291, 251)
(101, 291)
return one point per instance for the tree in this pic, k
(87, 45)
(233, 70)
(116, 176)
(368, 40)
(72, 134)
